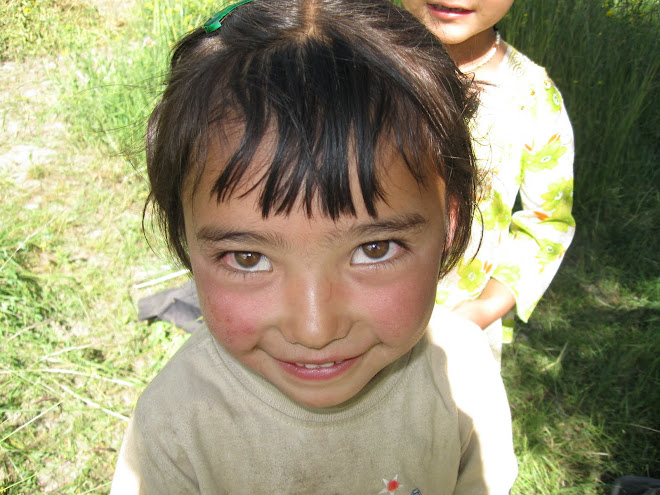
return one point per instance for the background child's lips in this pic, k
(449, 9)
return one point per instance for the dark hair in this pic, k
(335, 79)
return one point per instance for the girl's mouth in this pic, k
(447, 10)
(314, 366)
(318, 371)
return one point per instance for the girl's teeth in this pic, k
(313, 366)
(447, 9)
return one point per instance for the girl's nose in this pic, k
(315, 316)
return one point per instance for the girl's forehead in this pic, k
(406, 206)
(391, 171)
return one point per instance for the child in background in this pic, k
(524, 145)
(310, 163)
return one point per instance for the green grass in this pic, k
(44, 27)
(601, 55)
(585, 382)
(583, 375)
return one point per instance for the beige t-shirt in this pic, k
(434, 422)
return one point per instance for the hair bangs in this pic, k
(330, 110)
(332, 87)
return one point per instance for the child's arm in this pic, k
(541, 231)
(493, 303)
(488, 464)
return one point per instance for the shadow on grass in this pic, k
(584, 379)
(584, 375)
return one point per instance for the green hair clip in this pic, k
(216, 20)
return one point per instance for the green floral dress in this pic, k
(523, 141)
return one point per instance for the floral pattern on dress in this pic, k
(546, 157)
(559, 201)
(441, 297)
(549, 252)
(497, 215)
(472, 275)
(508, 274)
(552, 95)
(523, 142)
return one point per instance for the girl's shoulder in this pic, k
(527, 80)
(518, 66)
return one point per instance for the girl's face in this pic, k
(456, 22)
(316, 306)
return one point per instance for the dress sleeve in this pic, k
(543, 228)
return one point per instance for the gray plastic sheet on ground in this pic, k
(179, 306)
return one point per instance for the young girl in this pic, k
(524, 145)
(310, 163)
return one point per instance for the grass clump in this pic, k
(583, 379)
(111, 89)
(21, 294)
(30, 28)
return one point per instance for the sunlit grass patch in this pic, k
(46, 27)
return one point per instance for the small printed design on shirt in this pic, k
(391, 486)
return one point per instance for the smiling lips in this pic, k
(441, 9)
(314, 366)
(321, 371)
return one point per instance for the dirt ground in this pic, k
(32, 133)
(29, 135)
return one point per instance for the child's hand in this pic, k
(493, 303)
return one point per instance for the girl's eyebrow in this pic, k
(399, 224)
(213, 235)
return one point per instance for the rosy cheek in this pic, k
(232, 318)
(401, 310)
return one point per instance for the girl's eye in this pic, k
(247, 261)
(375, 252)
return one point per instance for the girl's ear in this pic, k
(450, 222)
